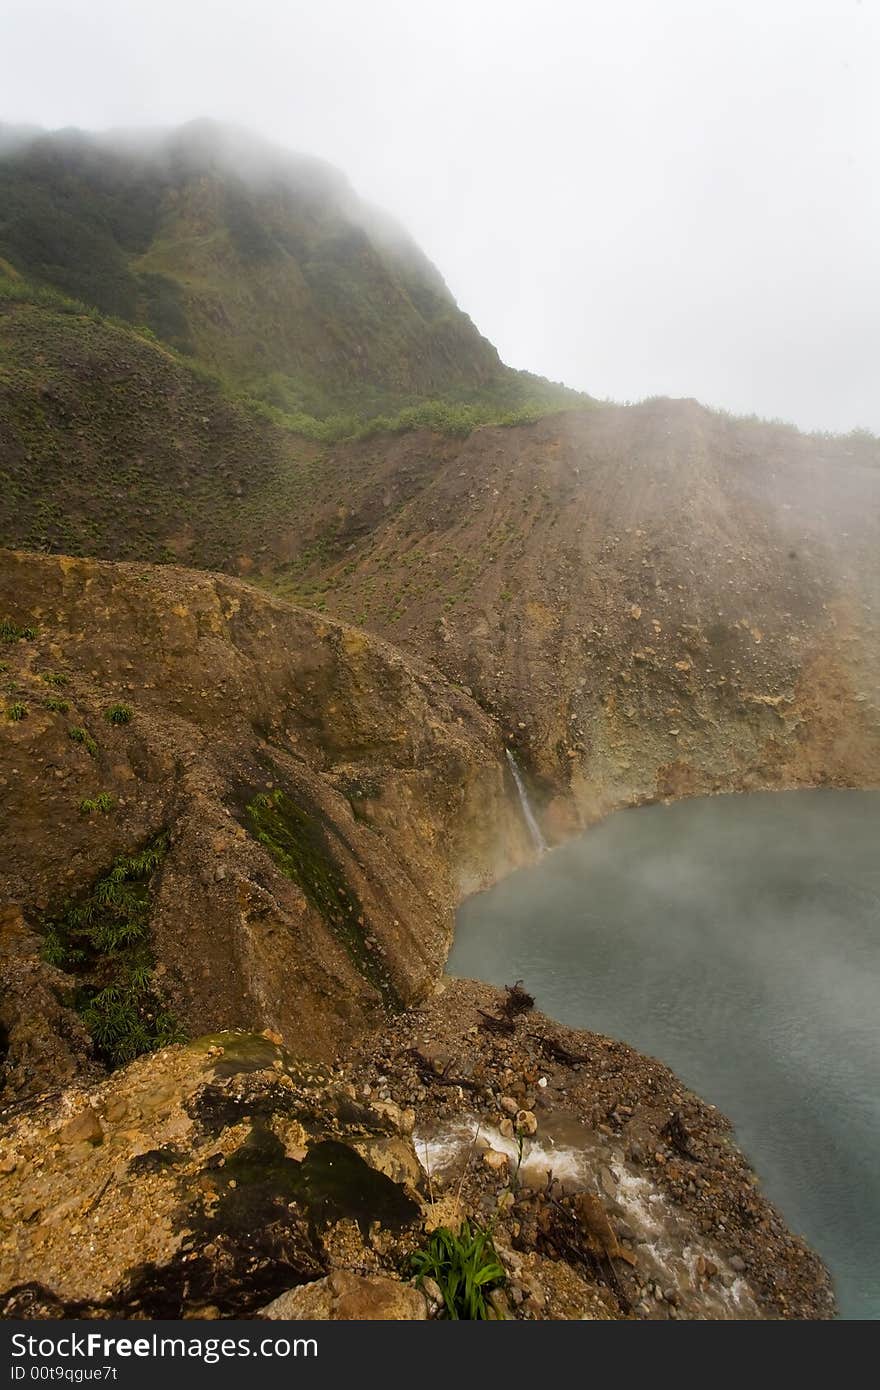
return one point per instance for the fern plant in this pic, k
(103, 939)
(123, 1022)
(465, 1267)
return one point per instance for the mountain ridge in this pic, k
(254, 807)
(263, 265)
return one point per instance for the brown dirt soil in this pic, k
(654, 600)
(395, 782)
(211, 1180)
(636, 1128)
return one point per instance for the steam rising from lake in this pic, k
(738, 939)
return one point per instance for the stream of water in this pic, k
(534, 828)
(738, 939)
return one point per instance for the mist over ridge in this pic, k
(404, 552)
(637, 200)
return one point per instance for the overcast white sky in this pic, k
(635, 197)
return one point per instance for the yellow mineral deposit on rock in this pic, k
(495, 1159)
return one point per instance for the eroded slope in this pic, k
(310, 805)
(655, 600)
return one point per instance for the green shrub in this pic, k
(103, 802)
(124, 1024)
(465, 1266)
(78, 735)
(53, 678)
(119, 714)
(57, 705)
(16, 711)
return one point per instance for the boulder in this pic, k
(350, 1297)
(207, 1176)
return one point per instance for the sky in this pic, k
(635, 197)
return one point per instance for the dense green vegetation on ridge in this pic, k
(114, 444)
(189, 324)
(263, 266)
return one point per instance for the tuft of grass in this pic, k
(465, 1266)
(119, 714)
(56, 704)
(10, 632)
(53, 678)
(16, 711)
(79, 735)
(103, 803)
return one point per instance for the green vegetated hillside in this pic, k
(111, 446)
(264, 266)
(114, 444)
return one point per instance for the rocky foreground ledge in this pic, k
(226, 1178)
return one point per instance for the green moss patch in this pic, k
(332, 1183)
(298, 844)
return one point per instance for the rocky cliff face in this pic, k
(230, 1178)
(653, 600)
(226, 811)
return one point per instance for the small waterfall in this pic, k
(528, 814)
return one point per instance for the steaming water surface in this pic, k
(738, 939)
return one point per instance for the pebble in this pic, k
(82, 1128)
(434, 1294)
(498, 1302)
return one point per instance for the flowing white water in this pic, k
(528, 814)
(668, 1251)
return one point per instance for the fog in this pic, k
(735, 938)
(632, 197)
